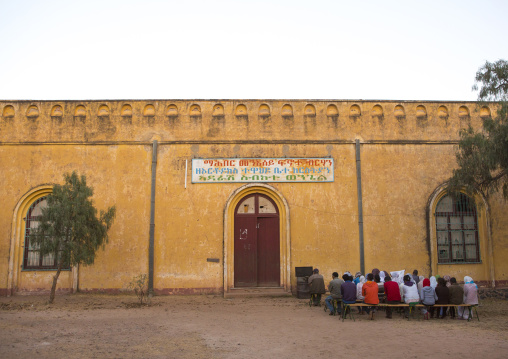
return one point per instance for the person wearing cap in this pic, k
(317, 286)
(348, 290)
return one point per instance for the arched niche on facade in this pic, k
(463, 112)
(421, 111)
(218, 110)
(399, 112)
(287, 111)
(241, 114)
(149, 110)
(332, 114)
(241, 110)
(80, 111)
(172, 114)
(172, 111)
(264, 111)
(32, 112)
(126, 110)
(332, 111)
(57, 111)
(355, 112)
(377, 111)
(8, 112)
(442, 112)
(195, 111)
(103, 111)
(485, 112)
(309, 110)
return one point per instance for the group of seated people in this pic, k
(379, 287)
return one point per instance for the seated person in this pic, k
(428, 297)
(470, 296)
(348, 290)
(335, 294)
(317, 286)
(410, 293)
(359, 295)
(369, 291)
(443, 297)
(456, 295)
(392, 293)
(380, 285)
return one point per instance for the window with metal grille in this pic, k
(457, 230)
(32, 258)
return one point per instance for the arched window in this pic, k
(32, 258)
(457, 230)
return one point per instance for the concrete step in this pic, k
(257, 292)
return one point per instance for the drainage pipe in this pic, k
(152, 220)
(360, 205)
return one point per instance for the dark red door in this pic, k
(268, 252)
(257, 243)
(245, 251)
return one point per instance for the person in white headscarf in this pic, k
(470, 297)
(359, 295)
(433, 282)
(398, 276)
(382, 275)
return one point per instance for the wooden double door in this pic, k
(257, 242)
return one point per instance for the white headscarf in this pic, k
(398, 276)
(433, 282)
(469, 280)
(382, 276)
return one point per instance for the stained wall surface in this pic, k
(407, 152)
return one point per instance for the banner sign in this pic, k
(230, 170)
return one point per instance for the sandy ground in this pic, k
(106, 326)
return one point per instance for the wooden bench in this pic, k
(468, 306)
(346, 306)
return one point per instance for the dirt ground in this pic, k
(112, 326)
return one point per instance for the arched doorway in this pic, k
(256, 242)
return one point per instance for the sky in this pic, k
(227, 49)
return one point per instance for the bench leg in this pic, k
(351, 316)
(345, 307)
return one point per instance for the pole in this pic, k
(360, 205)
(152, 221)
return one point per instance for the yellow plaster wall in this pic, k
(404, 159)
(114, 173)
(98, 121)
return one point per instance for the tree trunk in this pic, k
(55, 279)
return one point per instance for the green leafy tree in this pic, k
(483, 155)
(69, 227)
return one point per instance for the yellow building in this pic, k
(246, 190)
